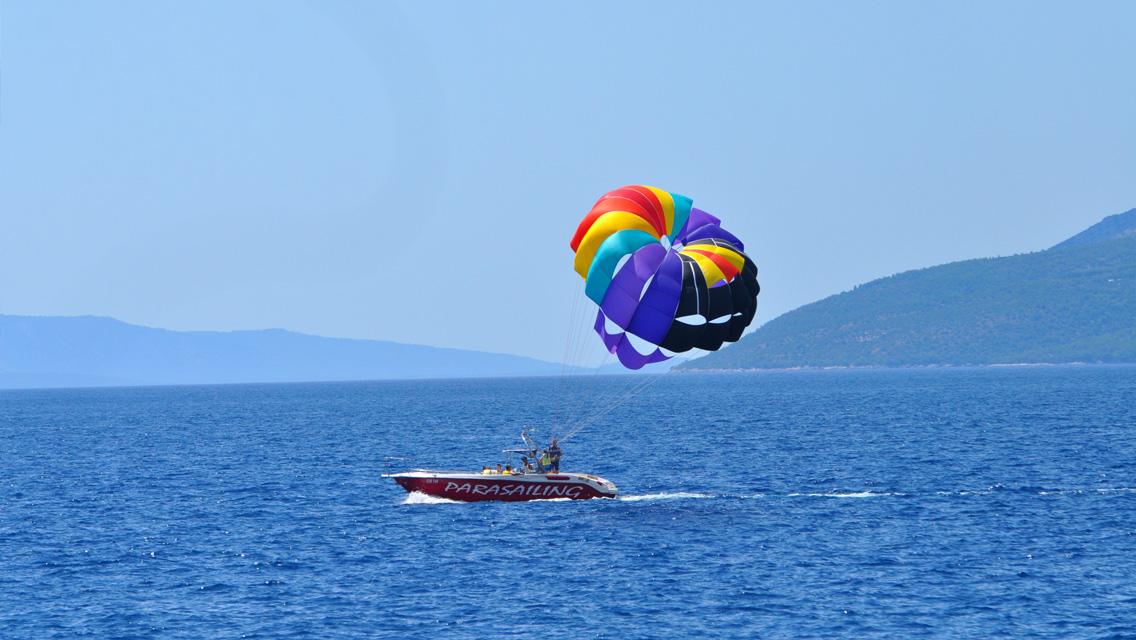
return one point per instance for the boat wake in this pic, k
(680, 495)
(846, 494)
(1039, 491)
(422, 498)
(683, 495)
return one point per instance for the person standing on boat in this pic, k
(543, 462)
(555, 454)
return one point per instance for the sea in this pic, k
(907, 503)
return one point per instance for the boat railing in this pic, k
(461, 471)
(393, 464)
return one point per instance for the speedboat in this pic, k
(465, 486)
(510, 486)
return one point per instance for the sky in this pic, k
(414, 171)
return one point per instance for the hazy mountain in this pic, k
(1075, 302)
(93, 351)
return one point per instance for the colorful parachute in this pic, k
(666, 276)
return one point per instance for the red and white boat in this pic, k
(475, 487)
(467, 486)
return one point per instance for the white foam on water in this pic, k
(1051, 492)
(665, 496)
(422, 498)
(843, 494)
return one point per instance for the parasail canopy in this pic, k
(666, 276)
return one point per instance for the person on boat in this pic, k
(498, 472)
(508, 470)
(545, 460)
(526, 465)
(555, 454)
(485, 471)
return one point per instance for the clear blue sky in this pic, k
(414, 171)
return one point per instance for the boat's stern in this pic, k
(606, 488)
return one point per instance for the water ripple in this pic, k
(866, 504)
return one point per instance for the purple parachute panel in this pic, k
(621, 346)
(622, 296)
(701, 225)
(656, 310)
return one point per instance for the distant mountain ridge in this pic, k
(1075, 302)
(97, 351)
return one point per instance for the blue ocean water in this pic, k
(948, 503)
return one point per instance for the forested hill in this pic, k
(1075, 302)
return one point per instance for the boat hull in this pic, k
(467, 487)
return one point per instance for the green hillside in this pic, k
(1072, 303)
